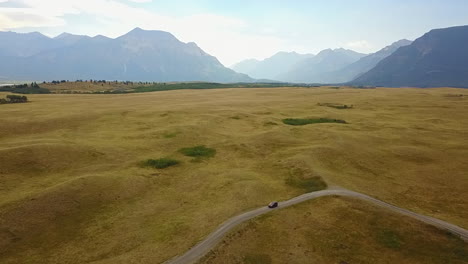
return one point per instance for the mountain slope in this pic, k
(316, 69)
(272, 67)
(365, 64)
(437, 59)
(25, 44)
(139, 55)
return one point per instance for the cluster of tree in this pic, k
(106, 82)
(58, 82)
(32, 85)
(13, 99)
(33, 88)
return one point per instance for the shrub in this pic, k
(337, 106)
(198, 152)
(13, 99)
(17, 98)
(160, 163)
(307, 121)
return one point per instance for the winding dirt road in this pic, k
(214, 238)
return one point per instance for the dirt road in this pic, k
(210, 242)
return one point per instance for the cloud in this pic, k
(360, 45)
(139, 1)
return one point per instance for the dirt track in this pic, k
(211, 240)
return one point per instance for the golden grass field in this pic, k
(72, 189)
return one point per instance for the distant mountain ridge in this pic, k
(437, 59)
(272, 67)
(139, 55)
(365, 64)
(317, 68)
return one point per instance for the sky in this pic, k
(243, 29)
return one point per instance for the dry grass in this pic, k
(337, 230)
(72, 189)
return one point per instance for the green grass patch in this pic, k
(309, 185)
(257, 259)
(198, 152)
(160, 163)
(171, 135)
(389, 239)
(307, 121)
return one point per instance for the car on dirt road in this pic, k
(273, 205)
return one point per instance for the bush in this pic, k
(160, 163)
(198, 152)
(13, 99)
(337, 106)
(307, 121)
(17, 98)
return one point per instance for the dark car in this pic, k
(273, 205)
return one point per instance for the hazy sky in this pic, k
(241, 29)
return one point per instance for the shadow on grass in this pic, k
(308, 185)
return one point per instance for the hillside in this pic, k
(139, 55)
(364, 64)
(437, 59)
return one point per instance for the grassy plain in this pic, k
(72, 188)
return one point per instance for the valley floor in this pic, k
(72, 188)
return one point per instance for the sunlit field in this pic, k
(141, 178)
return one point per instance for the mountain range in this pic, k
(329, 66)
(364, 64)
(317, 68)
(437, 59)
(139, 55)
(272, 67)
